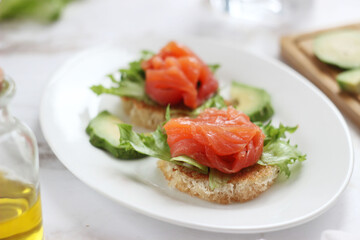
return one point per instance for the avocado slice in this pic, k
(349, 80)
(104, 133)
(254, 102)
(340, 48)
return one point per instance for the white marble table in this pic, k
(31, 53)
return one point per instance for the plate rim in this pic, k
(207, 227)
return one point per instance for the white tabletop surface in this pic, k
(30, 53)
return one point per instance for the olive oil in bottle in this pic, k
(20, 210)
(20, 207)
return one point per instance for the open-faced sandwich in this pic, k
(219, 156)
(174, 76)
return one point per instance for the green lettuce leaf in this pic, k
(146, 54)
(217, 178)
(190, 163)
(215, 101)
(125, 89)
(273, 133)
(131, 82)
(282, 154)
(155, 145)
(278, 150)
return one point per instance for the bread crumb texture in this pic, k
(241, 187)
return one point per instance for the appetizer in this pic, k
(219, 156)
(175, 76)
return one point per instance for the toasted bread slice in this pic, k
(242, 186)
(144, 115)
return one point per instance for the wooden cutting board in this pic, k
(297, 51)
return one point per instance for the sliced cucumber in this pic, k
(349, 80)
(254, 102)
(340, 48)
(104, 133)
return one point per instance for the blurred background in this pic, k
(34, 42)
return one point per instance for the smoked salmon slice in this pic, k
(176, 75)
(222, 139)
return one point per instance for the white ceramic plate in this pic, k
(68, 105)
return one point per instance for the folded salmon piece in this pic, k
(222, 139)
(176, 75)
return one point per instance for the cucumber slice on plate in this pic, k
(104, 133)
(254, 102)
(349, 80)
(340, 48)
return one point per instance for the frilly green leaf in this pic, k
(277, 148)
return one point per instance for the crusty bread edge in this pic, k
(243, 186)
